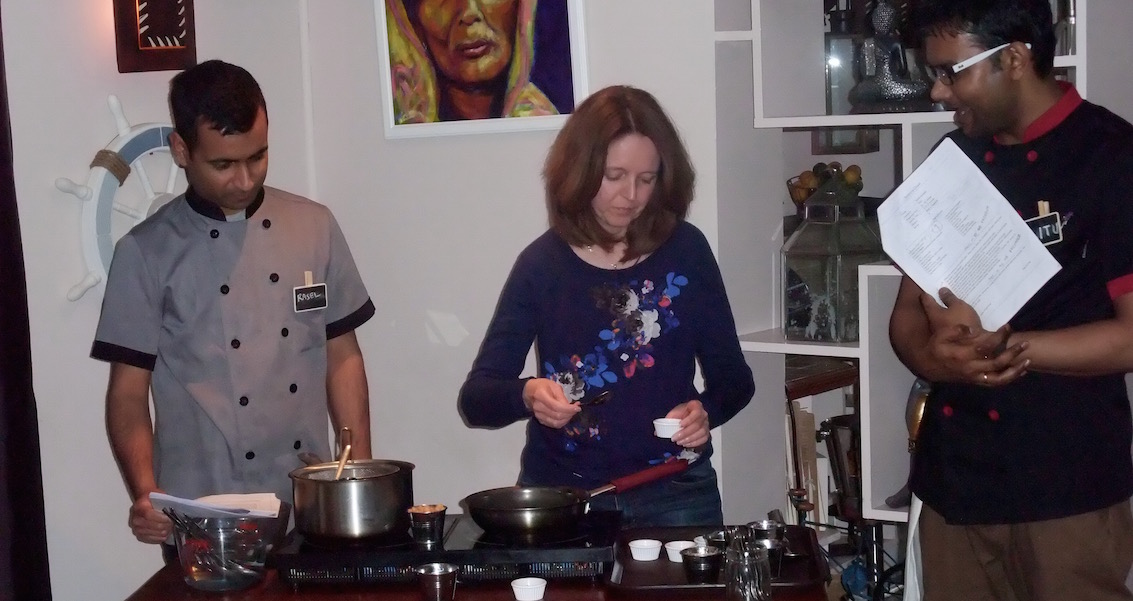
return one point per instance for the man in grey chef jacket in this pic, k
(236, 304)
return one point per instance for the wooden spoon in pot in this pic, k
(342, 461)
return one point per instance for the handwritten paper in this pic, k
(947, 226)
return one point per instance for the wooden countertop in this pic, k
(167, 585)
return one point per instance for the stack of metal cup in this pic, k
(747, 568)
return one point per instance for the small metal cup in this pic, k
(427, 523)
(438, 581)
(769, 533)
(702, 564)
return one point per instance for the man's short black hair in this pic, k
(993, 23)
(222, 95)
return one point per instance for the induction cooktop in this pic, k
(586, 553)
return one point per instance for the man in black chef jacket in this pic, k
(1023, 456)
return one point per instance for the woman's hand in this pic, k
(694, 424)
(546, 400)
(148, 524)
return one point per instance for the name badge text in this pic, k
(310, 298)
(1047, 227)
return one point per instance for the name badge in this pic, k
(1047, 227)
(310, 298)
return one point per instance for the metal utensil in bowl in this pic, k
(206, 553)
(226, 554)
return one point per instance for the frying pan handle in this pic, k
(656, 472)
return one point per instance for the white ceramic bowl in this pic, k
(645, 549)
(673, 549)
(528, 589)
(666, 427)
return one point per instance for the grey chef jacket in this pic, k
(239, 376)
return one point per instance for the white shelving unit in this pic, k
(772, 341)
(884, 384)
(786, 87)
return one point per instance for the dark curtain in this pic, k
(23, 536)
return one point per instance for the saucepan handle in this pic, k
(345, 439)
(635, 479)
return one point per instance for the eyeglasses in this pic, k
(946, 75)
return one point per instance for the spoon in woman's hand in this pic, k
(598, 400)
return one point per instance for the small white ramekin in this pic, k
(673, 549)
(645, 549)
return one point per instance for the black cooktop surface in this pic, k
(480, 555)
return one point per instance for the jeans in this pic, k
(692, 498)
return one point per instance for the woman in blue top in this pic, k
(620, 295)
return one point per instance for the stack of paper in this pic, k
(947, 226)
(262, 505)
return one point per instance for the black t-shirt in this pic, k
(1045, 446)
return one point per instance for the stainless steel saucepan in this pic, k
(369, 499)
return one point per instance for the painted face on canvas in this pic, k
(471, 41)
(227, 170)
(632, 168)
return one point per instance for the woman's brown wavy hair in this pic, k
(577, 161)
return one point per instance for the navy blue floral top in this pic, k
(637, 332)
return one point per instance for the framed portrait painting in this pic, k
(481, 66)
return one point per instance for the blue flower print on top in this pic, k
(641, 313)
(576, 374)
(672, 290)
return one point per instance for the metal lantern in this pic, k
(819, 266)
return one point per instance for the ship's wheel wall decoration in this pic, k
(120, 192)
(154, 35)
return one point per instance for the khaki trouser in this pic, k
(1084, 557)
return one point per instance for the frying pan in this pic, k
(526, 511)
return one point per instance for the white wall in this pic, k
(434, 224)
(1110, 54)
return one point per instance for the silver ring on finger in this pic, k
(984, 375)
